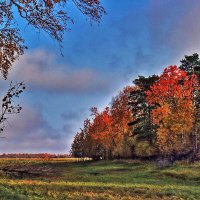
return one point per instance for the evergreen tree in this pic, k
(142, 125)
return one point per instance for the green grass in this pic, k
(122, 179)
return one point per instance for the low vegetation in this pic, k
(121, 179)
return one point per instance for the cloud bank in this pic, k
(42, 71)
(30, 132)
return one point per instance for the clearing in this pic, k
(65, 179)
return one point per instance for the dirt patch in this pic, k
(22, 171)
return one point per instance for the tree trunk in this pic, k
(106, 153)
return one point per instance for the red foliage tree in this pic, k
(173, 97)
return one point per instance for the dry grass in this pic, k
(113, 180)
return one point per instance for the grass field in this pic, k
(120, 179)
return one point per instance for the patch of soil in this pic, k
(22, 171)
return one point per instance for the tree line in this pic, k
(158, 116)
(34, 155)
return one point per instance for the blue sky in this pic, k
(134, 38)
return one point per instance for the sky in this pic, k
(134, 38)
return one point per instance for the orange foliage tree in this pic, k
(172, 97)
(121, 115)
(110, 127)
(101, 130)
(162, 109)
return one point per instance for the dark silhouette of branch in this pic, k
(7, 107)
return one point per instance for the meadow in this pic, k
(113, 180)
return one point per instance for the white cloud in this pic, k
(29, 132)
(41, 71)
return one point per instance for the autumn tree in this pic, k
(159, 113)
(84, 145)
(80, 144)
(77, 147)
(92, 148)
(121, 115)
(110, 127)
(191, 65)
(107, 133)
(46, 15)
(172, 97)
(101, 130)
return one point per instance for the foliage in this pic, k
(47, 15)
(173, 97)
(103, 135)
(145, 149)
(158, 116)
(142, 125)
(191, 65)
(84, 145)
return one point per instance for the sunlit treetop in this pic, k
(173, 83)
(173, 114)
